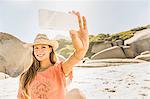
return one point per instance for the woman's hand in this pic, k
(80, 42)
(80, 38)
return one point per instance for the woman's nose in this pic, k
(39, 50)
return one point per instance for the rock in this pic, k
(118, 43)
(146, 52)
(85, 59)
(115, 61)
(140, 42)
(114, 52)
(128, 52)
(109, 62)
(145, 57)
(3, 76)
(99, 46)
(14, 56)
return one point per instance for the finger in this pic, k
(79, 20)
(73, 33)
(75, 39)
(84, 23)
(74, 12)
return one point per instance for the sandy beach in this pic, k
(115, 82)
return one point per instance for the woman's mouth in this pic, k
(40, 55)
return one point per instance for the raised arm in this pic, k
(80, 42)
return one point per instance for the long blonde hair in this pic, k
(27, 77)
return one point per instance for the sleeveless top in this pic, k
(48, 84)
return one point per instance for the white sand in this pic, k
(116, 82)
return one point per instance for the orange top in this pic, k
(48, 84)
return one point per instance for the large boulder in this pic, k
(99, 46)
(15, 56)
(114, 52)
(140, 42)
(118, 43)
(3, 76)
(128, 51)
(144, 56)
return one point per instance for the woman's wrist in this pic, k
(79, 55)
(78, 58)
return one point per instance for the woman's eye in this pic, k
(43, 47)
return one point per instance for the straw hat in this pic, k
(43, 39)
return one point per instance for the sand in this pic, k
(115, 82)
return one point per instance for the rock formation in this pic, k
(140, 42)
(14, 55)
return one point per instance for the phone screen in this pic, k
(55, 20)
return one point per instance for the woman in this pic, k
(45, 78)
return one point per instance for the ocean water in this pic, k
(115, 82)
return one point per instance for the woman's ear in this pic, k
(51, 48)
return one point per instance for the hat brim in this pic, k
(54, 44)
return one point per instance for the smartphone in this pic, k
(55, 20)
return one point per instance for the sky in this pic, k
(20, 17)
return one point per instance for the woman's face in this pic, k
(42, 52)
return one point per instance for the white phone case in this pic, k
(55, 20)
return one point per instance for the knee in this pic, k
(75, 94)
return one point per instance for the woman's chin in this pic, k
(40, 59)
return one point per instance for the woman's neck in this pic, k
(45, 63)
